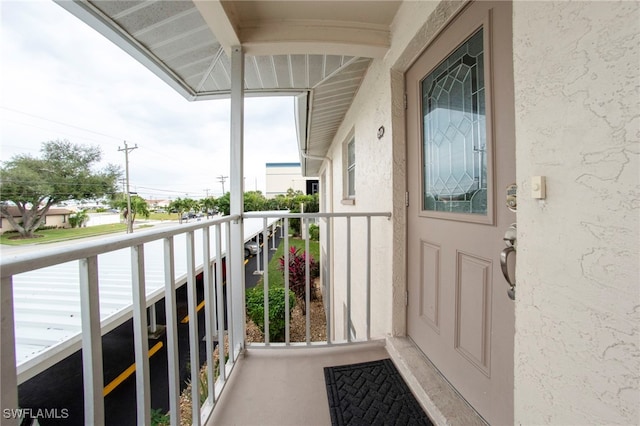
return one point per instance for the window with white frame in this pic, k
(350, 169)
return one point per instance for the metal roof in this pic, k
(316, 50)
(47, 300)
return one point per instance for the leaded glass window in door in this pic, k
(454, 133)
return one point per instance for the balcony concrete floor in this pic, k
(285, 386)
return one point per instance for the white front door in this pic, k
(460, 161)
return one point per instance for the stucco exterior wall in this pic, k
(380, 166)
(373, 193)
(577, 359)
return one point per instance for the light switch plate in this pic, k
(538, 187)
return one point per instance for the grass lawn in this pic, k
(164, 216)
(55, 235)
(276, 278)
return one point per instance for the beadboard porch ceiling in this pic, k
(318, 51)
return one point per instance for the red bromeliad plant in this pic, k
(297, 273)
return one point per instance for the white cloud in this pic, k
(62, 80)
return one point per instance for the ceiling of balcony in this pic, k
(316, 50)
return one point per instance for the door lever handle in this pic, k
(504, 257)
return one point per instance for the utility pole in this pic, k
(222, 180)
(206, 190)
(126, 150)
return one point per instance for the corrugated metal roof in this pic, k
(47, 300)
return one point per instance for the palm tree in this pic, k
(208, 205)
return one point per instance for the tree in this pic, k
(208, 205)
(254, 201)
(183, 205)
(63, 172)
(279, 202)
(224, 204)
(178, 205)
(139, 206)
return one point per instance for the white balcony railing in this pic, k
(202, 240)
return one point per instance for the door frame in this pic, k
(437, 21)
(494, 202)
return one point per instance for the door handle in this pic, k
(504, 257)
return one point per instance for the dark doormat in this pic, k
(371, 393)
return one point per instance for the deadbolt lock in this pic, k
(512, 201)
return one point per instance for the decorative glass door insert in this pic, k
(455, 132)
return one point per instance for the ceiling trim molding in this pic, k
(219, 23)
(314, 36)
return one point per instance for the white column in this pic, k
(237, 193)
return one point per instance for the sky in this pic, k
(60, 79)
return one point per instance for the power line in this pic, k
(50, 130)
(59, 122)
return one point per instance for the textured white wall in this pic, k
(380, 165)
(577, 358)
(374, 188)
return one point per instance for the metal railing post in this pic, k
(307, 281)
(171, 314)
(368, 279)
(8, 376)
(265, 279)
(220, 307)
(258, 271)
(194, 338)
(273, 237)
(327, 279)
(209, 309)
(140, 336)
(93, 382)
(348, 319)
(287, 308)
(227, 280)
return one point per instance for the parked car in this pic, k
(191, 215)
(251, 248)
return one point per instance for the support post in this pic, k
(237, 193)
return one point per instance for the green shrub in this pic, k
(158, 418)
(78, 219)
(314, 232)
(255, 310)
